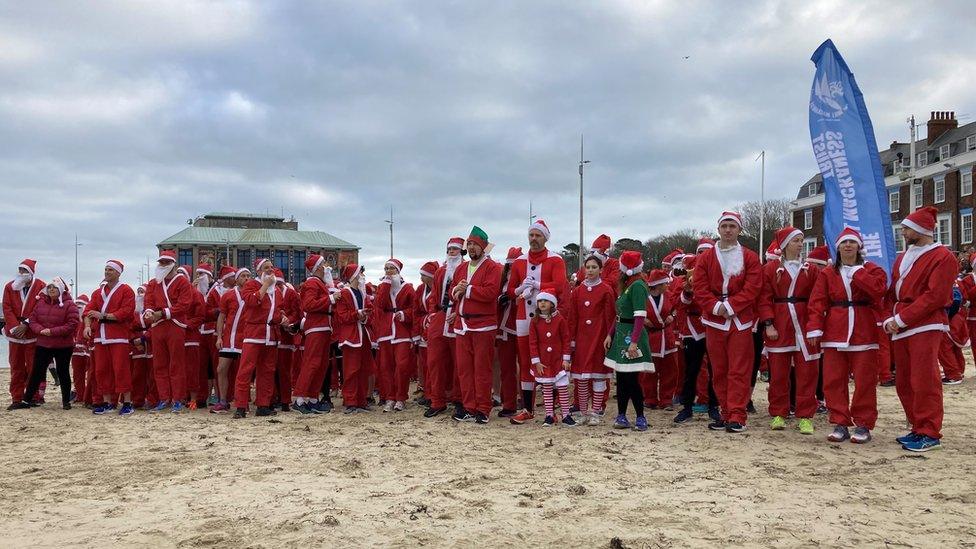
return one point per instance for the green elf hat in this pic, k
(479, 237)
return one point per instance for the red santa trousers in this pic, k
(971, 326)
(731, 354)
(658, 387)
(440, 368)
(951, 358)
(396, 365)
(283, 361)
(21, 358)
(169, 368)
(476, 356)
(258, 360)
(862, 409)
(884, 357)
(422, 375)
(191, 360)
(79, 374)
(91, 383)
(918, 382)
(807, 372)
(315, 364)
(356, 366)
(141, 370)
(113, 369)
(507, 350)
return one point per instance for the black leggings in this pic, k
(629, 389)
(42, 358)
(694, 356)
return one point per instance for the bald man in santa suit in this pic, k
(537, 269)
(169, 299)
(19, 298)
(920, 291)
(441, 345)
(727, 282)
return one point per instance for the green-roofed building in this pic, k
(239, 238)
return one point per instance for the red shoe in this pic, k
(521, 417)
(192, 406)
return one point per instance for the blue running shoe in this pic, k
(910, 437)
(621, 422)
(641, 424)
(699, 408)
(126, 410)
(161, 407)
(922, 444)
(102, 409)
(178, 407)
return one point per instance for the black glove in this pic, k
(504, 300)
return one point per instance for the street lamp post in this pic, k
(390, 221)
(579, 254)
(762, 202)
(74, 290)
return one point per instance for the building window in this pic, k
(281, 261)
(186, 257)
(943, 230)
(940, 190)
(243, 259)
(921, 160)
(812, 189)
(943, 152)
(262, 254)
(966, 182)
(971, 143)
(809, 244)
(894, 196)
(966, 220)
(899, 239)
(298, 273)
(807, 219)
(916, 196)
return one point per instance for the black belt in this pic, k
(790, 300)
(394, 310)
(474, 315)
(850, 303)
(693, 313)
(107, 320)
(626, 320)
(652, 330)
(903, 301)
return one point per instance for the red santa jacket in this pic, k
(437, 327)
(418, 328)
(660, 325)
(921, 289)
(17, 308)
(172, 296)
(261, 313)
(317, 301)
(783, 300)
(687, 318)
(736, 286)
(393, 315)
(506, 312)
(477, 309)
(139, 332)
(232, 332)
(958, 325)
(82, 345)
(351, 332)
(592, 312)
(291, 306)
(842, 312)
(530, 273)
(967, 285)
(609, 274)
(119, 301)
(549, 343)
(213, 308)
(195, 315)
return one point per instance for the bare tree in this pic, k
(776, 215)
(660, 246)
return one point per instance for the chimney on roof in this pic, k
(939, 123)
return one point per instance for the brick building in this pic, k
(943, 169)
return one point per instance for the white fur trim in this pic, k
(541, 228)
(547, 296)
(846, 237)
(115, 266)
(659, 281)
(791, 236)
(915, 226)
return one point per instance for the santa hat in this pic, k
(351, 271)
(258, 262)
(82, 299)
(185, 270)
(704, 243)
(479, 237)
(849, 234)
(62, 287)
(241, 271)
(397, 264)
(456, 242)
(631, 263)
(540, 225)
(731, 216)
(657, 276)
(370, 289)
(429, 268)
(602, 243)
(548, 294)
(167, 255)
(514, 253)
(922, 220)
(689, 261)
(29, 264)
(787, 233)
(227, 272)
(819, 256)
(279, 275)
(773, 252)
(313, 262)
(116, 265)
(206, 269)
(672, 256)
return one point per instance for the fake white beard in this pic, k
(327, 277)
(362, 282)
(163, 271)
(203, 285)
(732, 261)
(140, 303)
(452, 263)
(272, 278)
(395, 283)
(21, 281)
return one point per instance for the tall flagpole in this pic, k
(762, 203)
(390, 221)
(579, 253)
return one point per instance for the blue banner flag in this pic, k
(847, 155)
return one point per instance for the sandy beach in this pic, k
(72, 479)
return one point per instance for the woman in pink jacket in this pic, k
(54, 320)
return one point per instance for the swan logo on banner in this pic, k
(827, 98)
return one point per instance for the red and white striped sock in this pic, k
(547, 400)
(583, 394)
(599, 398)
(564, 399)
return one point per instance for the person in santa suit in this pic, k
(611, 266)
(659, 386)
(287, 335)
(393, 319)
(591, 316)
(80, 356)
(208, 332)
(203, 281)
(692, 333)
(169, 299)
(474, 292)
(820, 257)
(506, 342)
(263, 311)
(107, 319)
(318, 296)
(704, 243)
(141, 352)
(230, 340)
(19, 299)
(353, 315)
(549, 342)
(440, 337)
(841, 319)
(727, 282)
(787, 284)
(967, 285)
(920, 291)
(193, 318)
(950, 351)
(667, 264)
(419, 328)
(530, 273)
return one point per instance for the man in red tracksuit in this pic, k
(920, 291)
(440, 337)
(168, 301)
(19, 298)
(477, 285)
(393, 319)
(107, 319)
(506, 344)
(263, 311)
(726, 283)
(318, 295)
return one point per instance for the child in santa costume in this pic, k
(393, 319)
(318, 297)
(841, 319)
(353, 315)
(107, 319)
(628, 351)
(787, 284)
(920, 291)
(659, 386)
(610, 272)
(80, 356)
(230, 340)
(549, 351)
(591, 315)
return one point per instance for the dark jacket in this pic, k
(61, 317)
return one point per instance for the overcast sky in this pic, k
(121, 120)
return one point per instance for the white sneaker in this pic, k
(595, 419)
(398, 406)
(388, 407)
